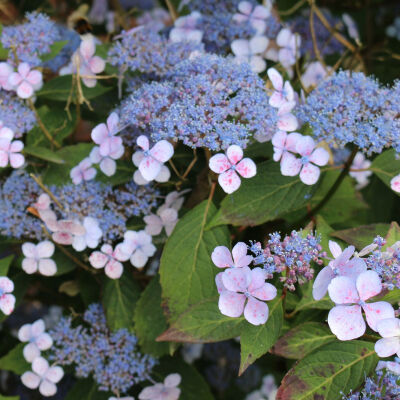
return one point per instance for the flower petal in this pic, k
(237, 279)
(234, 154)
(386, 347)
(321, 283)
(219, 283)
(47, 267)
(319, 157)
(47, 388)
(108, 166)
(265, 292)
(258, 44)
(375, 312)
(256, 312)
(16, 160)
(246, 168)
(114, 269)
(87, 47)
(162, 151)
(229, 181)
(276, 78)
(231, 304)
(389, 327)
(30, 380)
(44, 341)
(305, 145)
(309, 174)
(335, 249)
(29, 265)
(24, 90)
(219, 163)
(37, 328)
(221, 257)
(287, 122)
(342, 290)
(45, 249)
(290, 165)
(40, 366)
(240, 48)
(257, 279)
(239, 253)
(99, 133)
(29, 250)
(368, 285)
(143, 142)
(97, 64)
(25, 333)
(172, 380)
(30, 352)
(346, 322)
(6, 284)
(149, 168)
(55, 374)
(98, 259)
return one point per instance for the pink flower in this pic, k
(162, 176)
(25, 81)
(37, 258)
(7, 300)
(82, 172)
(43, 377)
(289, 44)
(166, 218)
(389, 329)
(249, 51)
(5, 71)
(345, 319)
(91, 236)
(283, 92)
(108, 259)
(10, 149)
(283, 142)
(395, 183)
(286, 120)
(313, 74)
(360, 162)
(107, 165)
(241, 285)
(37, 337)
(341, 265)
(163, 391)
(309, 173)
(229, 166)
(222, 258)
(186, 28)
(256, 15)
(154, 158)
(391, 366)
(65, 230)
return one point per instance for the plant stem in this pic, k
(40, 183)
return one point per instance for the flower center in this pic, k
(305, 160)
(361, 303)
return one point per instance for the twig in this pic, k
(171, 163)
(43, 187)
(314, 38)
(292, 9)
(191, 165)
(172, 11)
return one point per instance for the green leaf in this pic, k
(14, 360)
(64, 263)
(392, 236)
(186, 270)
(323, 374)
(5, 265)
(86, 389)
(307, 300)
(59, 89)
(9, 397)
(193, 385)
(149, 320)
(363, 235)
(386, 166)
(55, 48)
(3, 51)
(255, 341)
(266, 197)
(119, 301)
(302, 340)
(203, 323)
(44, 154)
(391, 296)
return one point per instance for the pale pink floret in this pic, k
(360, 162)
(107, 164)
(283, 142)
(154, 158)
(38, 339)
(162, 176)
(7, 300)
(37, 258)
(65, 230)
(289, 47)
(10, 149)
(314, 74)
(25, 81)
(167, 218)
(229, 166)
(286, 120)
(391, 366)
(5, 71)
(249, 51)
(346, 320)
(222, 258)
(283, 92)
(341, 265)
(241, 285)
(43, 377)
(307, 165)
(82, 172)
(163, 391)
(107, 258)
(389, 329)
(186, 29)
(395, 183)
(257, 15)
(91, 236)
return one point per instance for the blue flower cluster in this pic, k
(148, 52)
(111, 358)
(38, 26)
(208, 101)
(293, 254)
(353, 108)
(14, 114)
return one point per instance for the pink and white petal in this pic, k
(40, 366)
(229, 181)
(25, 333)
(319, 157)
(154, 224)
(305, 145)
(17, 160)
(29, 250)
(163, 175)
(44, 341)
(389, 327)
(258, 44)
(342, 290)
(117, 148)
(353, 268)
(16, 146)
(265, 292)
(108, 166)
(47, 267)
(15, 79)
(309, 174)
(256, 312)
(122, 251)
(290, 165)
(45, 249)
(114, 269)
(279, 139)
(169, 227)
(139, 259)
(6, 285)
(143, 142)
(219, 163)
(76, 175)
(395, 183)
(240, 18)
(61, 237)
(245, 7)
(375, 312)
(99, 133)
(55, 374)
(168, 215)
(30, 380)
(231, 304)
(3, 159)
(322, 281)
(113, 123)
(97, 64)
(239, 251)
(335, 249)
(138, 178)
(23, 69)
(287, 122)
(276, 78)
(257, 279)
(98, 259)
(246, 168)
(386, 347)
(89, 82)
(89, 174)
(234, 154)
(276, 99)
(241, 48)
(292, 140)
(7, 303)
(149, 167)
(47, 388)
(237, 279)
(30, 352)
(162, 151)
(34, 78)
(257, 64)
(137, 157)
(6, 133)
(368, 285)
(152, 392)
(172, 380)
(24, 90)
(87, 48)
(37, 328)
(284, 37)
(259, 25)
(346, 322)
(287, 87)
(221, 257)
(219, 283)
(29, 265)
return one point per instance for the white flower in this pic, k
(163, 175)
(186, 28)
(7, 300)
(107, 259)
(37, 258)
(256, 15)
(360, 162)
(313, 74)
(163, 391)
(250, 51)
(166, 218)
(37, 337)
(90, 238)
